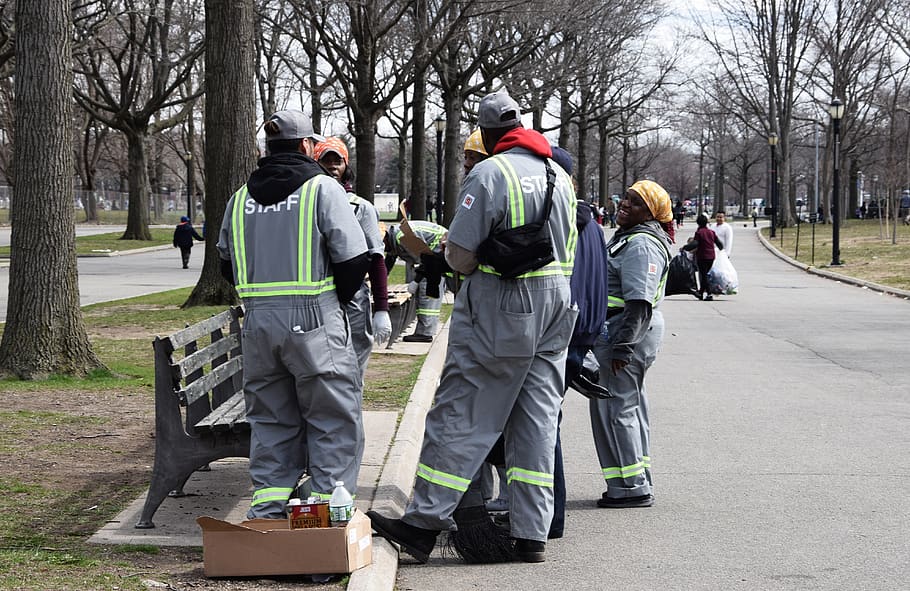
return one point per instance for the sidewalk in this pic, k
(386, 477)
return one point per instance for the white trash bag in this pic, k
(722, 278)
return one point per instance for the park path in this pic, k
(780, 451)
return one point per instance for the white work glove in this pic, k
(382, 327)
(413, 288)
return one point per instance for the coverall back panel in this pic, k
(427, 308)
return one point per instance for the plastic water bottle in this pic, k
(341, 505)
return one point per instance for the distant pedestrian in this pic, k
(184, 234)
(755, 217)
(679, 213)
(610, 212)
(724, 232)
(703, 244)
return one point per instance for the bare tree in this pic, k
(129, 76)
(44, 332)
(230, 152)
(763, 48)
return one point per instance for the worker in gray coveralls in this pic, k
(428, 307)
(638, 258)
(506, 355)
(291, 245)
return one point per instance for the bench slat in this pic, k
(200, 329)
(196, 390)
(223, 346)
(226, 416)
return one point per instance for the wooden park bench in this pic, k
(402, 310)
(200, 415)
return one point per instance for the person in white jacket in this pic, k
(724, 231)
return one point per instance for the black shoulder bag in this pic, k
(518, 250)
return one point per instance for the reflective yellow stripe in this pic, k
(646, 460)
(237, 231)
(624, 471)
(516, 196)
(427, 312)
(269, 495)
(615, 302)
(530, 477)
(442, 479)
(304, 283)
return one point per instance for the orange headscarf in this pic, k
(331, 144)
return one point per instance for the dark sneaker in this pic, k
(606, 502)
(709, 298)
(417, 338)
(530, 550)
(416, 541)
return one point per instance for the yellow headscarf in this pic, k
(474, 143)
(656, 198)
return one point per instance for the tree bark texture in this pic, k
(45, 333)
(230, 144)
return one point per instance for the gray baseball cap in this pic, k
(498, 110)
(293, 125)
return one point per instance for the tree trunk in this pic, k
(452, 153)
(365, 140)
(137, 217)
(230, 143)
(45, 333)
(418, 194)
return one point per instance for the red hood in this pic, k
(527, 139)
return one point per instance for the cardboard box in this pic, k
(268, 547)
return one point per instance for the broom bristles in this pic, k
(478, 540)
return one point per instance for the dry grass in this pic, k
(866, 250)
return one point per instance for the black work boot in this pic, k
(530, 550)
(416, 541)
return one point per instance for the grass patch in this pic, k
(77, 451)
(865, 250)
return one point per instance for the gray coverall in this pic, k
(359, 309)
(427, 307)
(637, 264)
(300, 373)
(505, 363)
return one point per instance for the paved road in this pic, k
(81, 230)
(781, 451)
(103, 279)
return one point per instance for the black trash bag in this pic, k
(682, 277)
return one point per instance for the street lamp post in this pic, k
(772, 141)
(440, 124)
(190, 181)
(836, 110)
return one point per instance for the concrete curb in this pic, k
(397, 477)
(117, 253)
(832, 275)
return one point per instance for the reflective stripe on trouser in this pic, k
(620, 424)
(360, 317)
(503, 374)
(428, 309)
(302, 395)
